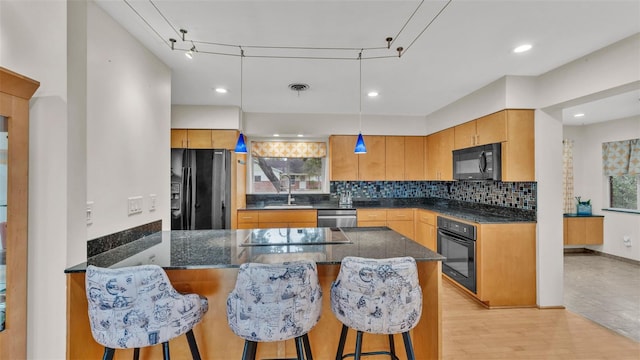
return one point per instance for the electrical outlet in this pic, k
(89, 212)
(134, 205)
(152, 202)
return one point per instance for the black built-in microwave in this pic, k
(478, 163)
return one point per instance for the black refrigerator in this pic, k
(200, 189)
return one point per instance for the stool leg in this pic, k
(193, 346)
(108, 353)
(343, 338)
(249, 352)
(392, 348)
(307, 346)
(358, 345)
(136, 354)
(407, 345)
(299, 348)
(165, 350)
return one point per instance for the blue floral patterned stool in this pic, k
(378, 296)
(274, 302)
(134, 307)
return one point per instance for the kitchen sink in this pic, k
(285, 206)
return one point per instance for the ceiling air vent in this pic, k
(298, 87)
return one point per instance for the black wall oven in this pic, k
(457, 242)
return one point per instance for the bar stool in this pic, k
(377, 296)
(275, 302)
(134, 307)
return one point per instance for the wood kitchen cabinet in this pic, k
(485, 130)
(584, 230)
(262, 219)
(425, 228)
(405, 158)
(506, 264)
(371, 166)
(203, 139)
(343, 162)
(518, 152)
(399, 220)
(439, 155)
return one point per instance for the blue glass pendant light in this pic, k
(241, 146)
(360, 147)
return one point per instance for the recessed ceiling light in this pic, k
(221, 90)
(522, 48)
(372, 94)
(300, 135)
(276, 135)
(578, 115)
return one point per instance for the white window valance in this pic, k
(621, 157)
(289, 149)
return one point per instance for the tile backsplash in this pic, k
(521, 195)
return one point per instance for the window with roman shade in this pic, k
(283, 166)
(621, 164)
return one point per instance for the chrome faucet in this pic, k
(289, 198)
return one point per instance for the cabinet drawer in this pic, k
(400, 214)
(426, 217)
(374, 223)
(371, 215)
(288, 216)
(245, 217)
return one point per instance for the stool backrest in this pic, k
(134, 307)
(380, 296)
(273, 302)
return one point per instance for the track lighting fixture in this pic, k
(189, 54)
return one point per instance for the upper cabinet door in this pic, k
(465, 135)
(178, 138)
(343, 161)
(395, 159)
(491, 128)
(371, 166)
(199, 139)
(225, 139)
(414, 158)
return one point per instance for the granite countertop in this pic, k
(480, 213)
(581, 215)
(197, 249)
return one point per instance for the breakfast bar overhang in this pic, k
(206, 262)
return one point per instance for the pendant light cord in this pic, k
(241, 85)
(360, 100)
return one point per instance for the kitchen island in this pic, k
(206, 262)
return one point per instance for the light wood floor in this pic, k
(470, 331)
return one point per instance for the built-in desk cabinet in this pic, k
(584, 230)
(263, 219)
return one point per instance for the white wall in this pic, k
(205, 117)
(320, 125)
(128, 122)
(590, 183)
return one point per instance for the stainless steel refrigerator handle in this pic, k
(188, 194)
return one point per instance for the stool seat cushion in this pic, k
(273, 302)
(134, 307)
(380, 296)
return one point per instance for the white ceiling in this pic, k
(466, 47)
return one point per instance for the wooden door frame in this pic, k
(15, 92)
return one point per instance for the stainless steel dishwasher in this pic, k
(337, 218)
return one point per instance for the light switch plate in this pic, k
(89, 212)
(152, 202)
(134, 205)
